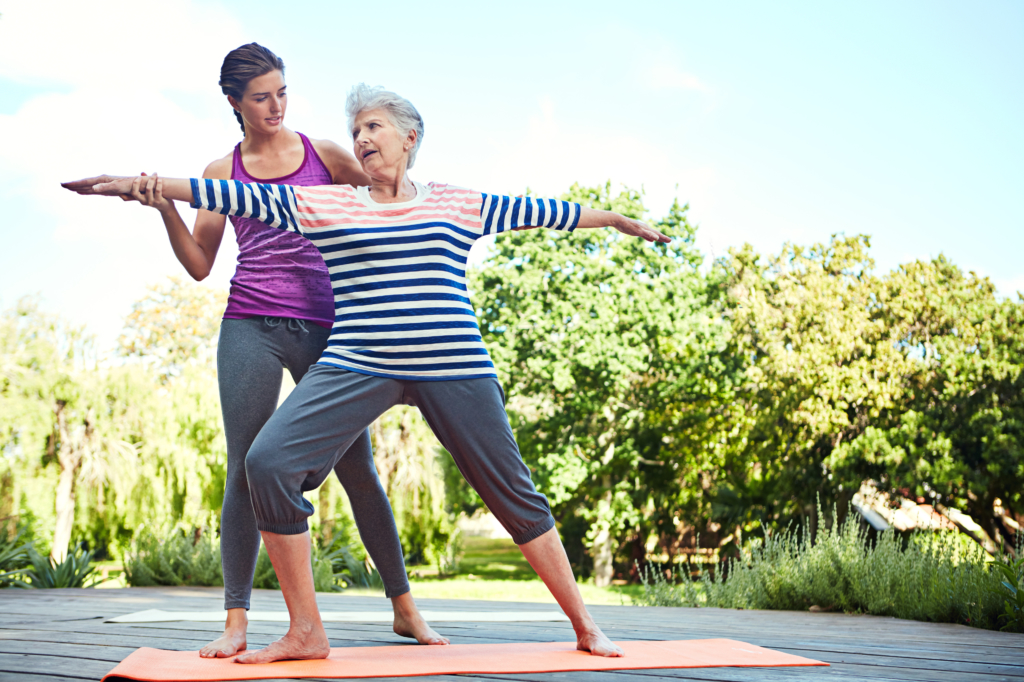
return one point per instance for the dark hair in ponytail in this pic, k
(241, 66)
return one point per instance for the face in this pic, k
(378, 144)
(263, 104)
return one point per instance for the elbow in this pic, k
(199, 274)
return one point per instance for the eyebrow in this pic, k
(258, 94)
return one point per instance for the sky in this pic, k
(776, 122)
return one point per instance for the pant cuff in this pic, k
(398, 591)
(535, 532)
(236, 605)
(297, 528)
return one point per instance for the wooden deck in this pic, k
(54, 635)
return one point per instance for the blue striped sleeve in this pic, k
(501, 213)
(273, 205)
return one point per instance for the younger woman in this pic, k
(280, 312)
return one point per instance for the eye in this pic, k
(261, 99)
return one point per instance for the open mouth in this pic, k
(368, 152)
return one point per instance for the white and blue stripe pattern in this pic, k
(398, 271)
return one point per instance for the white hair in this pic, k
(400, 111)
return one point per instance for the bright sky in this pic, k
(776, 121)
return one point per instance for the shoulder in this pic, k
(333, 154)
(453, 192)
(341, 163)
(221, 168)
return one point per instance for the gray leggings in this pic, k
(250, 355)
(313, 431)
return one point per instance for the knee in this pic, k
(260, 467)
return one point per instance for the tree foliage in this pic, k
(656, 397)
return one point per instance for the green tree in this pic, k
(56, 405)
(957, 435)
(822, 365)
(609, 354)
(174, 326)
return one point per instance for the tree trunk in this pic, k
(69, 456)
(601, 549)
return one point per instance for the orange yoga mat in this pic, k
(158, 665)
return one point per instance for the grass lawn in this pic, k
(495, 570)
(492, 570)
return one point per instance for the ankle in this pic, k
(237, 619)
(404, 605)
(585, 626)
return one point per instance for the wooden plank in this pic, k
(54, 665)
(95, 652)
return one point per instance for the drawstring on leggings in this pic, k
(294, 325)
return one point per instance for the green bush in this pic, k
(349, 570)
(1011, 589)
(324, 577)
(929, 577)
(13, 555)
(176, 559)
(43, 572)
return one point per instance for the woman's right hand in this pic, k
(145, 189)
(105, 185)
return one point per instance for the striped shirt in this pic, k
(398, 271)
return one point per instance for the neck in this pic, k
(392, 187)
(257, 142)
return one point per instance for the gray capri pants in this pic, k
(308, 435)
(250, 355)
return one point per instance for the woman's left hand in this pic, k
(149, 191)
(636, 228)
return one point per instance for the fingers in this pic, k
(158, 193)
(150, 191)
(136, 191)
(110, 189)
(85, 185)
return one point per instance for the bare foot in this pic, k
(233, 639)
(413, 625)
(298, 644)
(228, 644)
(409, 622)
(597, 644)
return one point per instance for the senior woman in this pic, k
(405, 333)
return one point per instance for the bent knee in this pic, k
(261, 466)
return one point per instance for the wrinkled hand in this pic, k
(103, 185)
(635, 228)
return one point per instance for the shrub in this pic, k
(349, 570)
(658, 590)
(177, 559)
(324, 578)
(13, 555)
(929, 577)
(1011, 589)
(43, 572)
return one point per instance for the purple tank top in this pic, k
(280, 274)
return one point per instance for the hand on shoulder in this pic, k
(344, 168)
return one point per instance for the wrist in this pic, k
(617, 220)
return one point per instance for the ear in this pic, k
(234, 103)
(411, 138)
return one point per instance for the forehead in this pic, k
(268, 82)
(369, 115)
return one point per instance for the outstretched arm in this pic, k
(501, 213)
(273, 205)
(124, 186)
